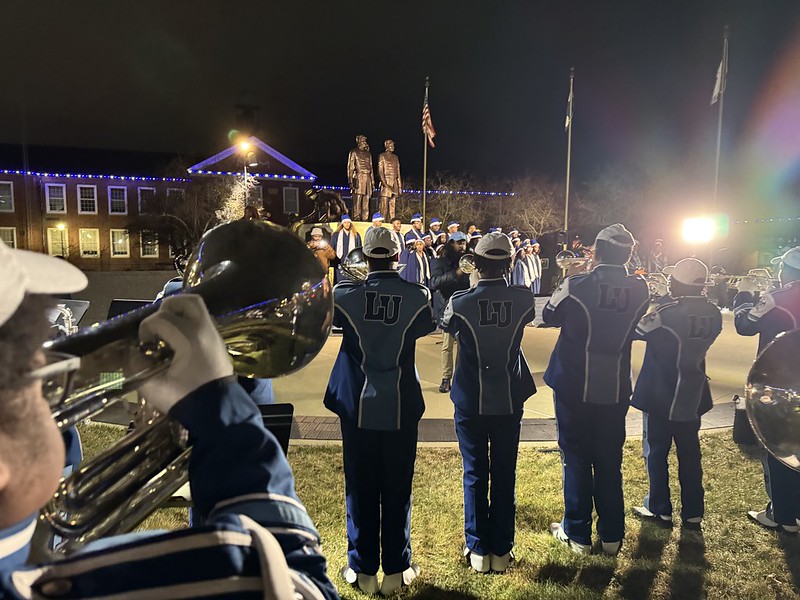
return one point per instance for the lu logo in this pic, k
(614, 298)
(494, 313)
(699, 327)
(382, 307)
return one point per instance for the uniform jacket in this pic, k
(492, 376)
(359, 172)
(374, 383)
(522, 270)
(534, 265)
(348, 242)
(389, 173)
(412, 235)
(418, 268)
(445, 282)
(775, 313)
(672, 383)
(243, 490)
(597, 312)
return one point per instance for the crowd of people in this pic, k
(252, 534)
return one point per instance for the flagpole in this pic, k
(723, 76)
(569, 155)
(425, 164)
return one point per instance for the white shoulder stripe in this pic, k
(261, 496)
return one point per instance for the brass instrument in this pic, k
(567, 260)
(273, 308)
(773, 398)
(356, 268)
(467, 264)
(757, 280)
(658, 284)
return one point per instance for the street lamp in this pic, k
(61, 227)
(249, 160)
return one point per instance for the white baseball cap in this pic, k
(316, 231)
(24, 272)
(380, 243)
(495, 245)
(690, 271)
(790, 258)
(617, 235)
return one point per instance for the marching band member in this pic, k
(589, 373)
(345, 239)
(672, 391)
(375, 391)
(491, 383)
(257, 537)
(775, 312)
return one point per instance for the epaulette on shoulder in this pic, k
(347, 285)
(671, 303)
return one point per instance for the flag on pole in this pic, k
(569, 111)
(722, 75)
(427, 124)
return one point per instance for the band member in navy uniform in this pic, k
(672, 391)
(774, 313)
(345, 239)
(589, 373)
(257, 537)
(375, 391)
(491, 383)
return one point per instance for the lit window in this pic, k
(147, 197)
(120, 243)
(58, 241)
(149, 244)
(87, 199)
(117, 200)
(9, 236)
(291, 200)
(56, 194)
(6, 196)
(89, 242)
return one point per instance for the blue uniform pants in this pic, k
(658, 434)
(783, 489)
(489, 447)
(378, 471)
(590, 437)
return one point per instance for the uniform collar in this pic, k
(607, 266)
(14, 539)
(383, 275)
(493, 281)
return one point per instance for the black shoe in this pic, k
(445, 387)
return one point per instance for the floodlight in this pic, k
(698, 230)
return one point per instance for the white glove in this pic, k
(199, 356)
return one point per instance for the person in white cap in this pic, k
(492, 382)
(672, 391)
(344, 239)
(589, 373)
(322, 249)
(775, 312)
(374, 390)
(257, 535)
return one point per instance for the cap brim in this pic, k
(776, 260)
(48, 274)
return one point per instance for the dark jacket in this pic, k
(445, 282)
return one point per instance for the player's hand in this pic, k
(199, 354)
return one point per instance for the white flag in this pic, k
(719, 85)
(569, 111)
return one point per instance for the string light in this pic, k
(342, 188)
(89, 176)
(765, 220)
(258, 175)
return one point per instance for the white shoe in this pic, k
(477, 562)
(395, 581)
(763, 519)
(366, 583)
(642, 512)
(500, 563)
(612, 548)
(559, 533)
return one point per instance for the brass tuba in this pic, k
(355, 266)
(467, 263)
(273, 308)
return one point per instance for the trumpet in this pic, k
(274, 316)
(467, 264)
(567, 260)
(756, 280)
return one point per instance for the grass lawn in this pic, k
(731, 558)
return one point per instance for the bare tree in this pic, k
(536, 208)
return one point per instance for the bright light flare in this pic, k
(244, 146)
(698, 230)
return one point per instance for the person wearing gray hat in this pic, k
(590, 374)
(492, 382)
(374, 390)
(672, 391)
(775, 312)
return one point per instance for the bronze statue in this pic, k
(389, 175)
(361, 178)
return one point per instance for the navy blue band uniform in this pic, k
(589, 372)
(673, 393)
(375, 391)
(491, 382)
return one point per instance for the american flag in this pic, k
(427, 124)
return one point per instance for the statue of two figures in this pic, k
(360, 175)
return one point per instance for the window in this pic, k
(175, 193)
(89, 241)
(291, 200)
(147, 197)
(58, 241)
(256, 196)
(9, 236)
(120, 243)
(56, 194)
(149, 244)
(117, 200)
(87, 199)
(6, 196)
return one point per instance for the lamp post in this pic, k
(248, 160)
(61, 227)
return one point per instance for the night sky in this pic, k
(166, 75)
